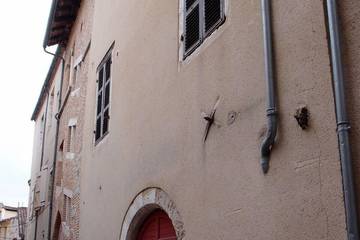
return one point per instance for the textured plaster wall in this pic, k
(350, 23)
(156, 129)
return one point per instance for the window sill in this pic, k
(98, 141)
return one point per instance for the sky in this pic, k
(24, 66)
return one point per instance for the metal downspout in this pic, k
(44, 131)
(343, 124)
(56, 139)
(271, 112)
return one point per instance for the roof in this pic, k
(46, 84)
(8, 208)
(8, 219)
(61, 18)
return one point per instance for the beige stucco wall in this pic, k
(156, 128)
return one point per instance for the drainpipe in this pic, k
(343, 125)
(44, 130)
(271, 112)
(56, 138)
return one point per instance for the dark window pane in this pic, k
(108, 69)
(100, 79)
(99, 103)
(192, 32)
(189, 3)
(107, 94)
(98, 128)
(212, 13)
(106, 121)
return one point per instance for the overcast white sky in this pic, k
(23, 66)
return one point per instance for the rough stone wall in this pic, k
(350, 27)
(68, 160)
(9, 229)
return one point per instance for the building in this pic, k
(7, 211)
(12, 222)
(166, 136)
(55, 176)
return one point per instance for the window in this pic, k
(42, 128)
(71, 138)
(201, 18)
(51, 107)
(74, 76)
(103, 98)
(67, 209)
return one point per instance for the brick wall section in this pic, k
(68, 163)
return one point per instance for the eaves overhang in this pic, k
(61, 19)
(47, 83)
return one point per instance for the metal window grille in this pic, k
(201, 18)
(103, 98)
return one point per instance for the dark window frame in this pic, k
(203, 34)
(103, 92)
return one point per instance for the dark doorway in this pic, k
(157, 226)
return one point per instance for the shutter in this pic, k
(99, 103)
(37, 192)
(32, 206)
(98, 128)
(43, 185)
(192, 25)
(213, 14)
(189, 3)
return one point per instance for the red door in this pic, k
(157, 226)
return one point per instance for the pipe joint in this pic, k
(271, 112)
(343, 126)
(268, 142)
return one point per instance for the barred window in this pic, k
(201, 18)
(103, 98)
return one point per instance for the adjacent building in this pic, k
(54, 200)
(12, 222)
(152, 119)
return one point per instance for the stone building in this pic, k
(12, 222)
(177, 109)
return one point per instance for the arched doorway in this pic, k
(58, 230)
(157, 226)
(150, 204)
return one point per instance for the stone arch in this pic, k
(143, 205)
